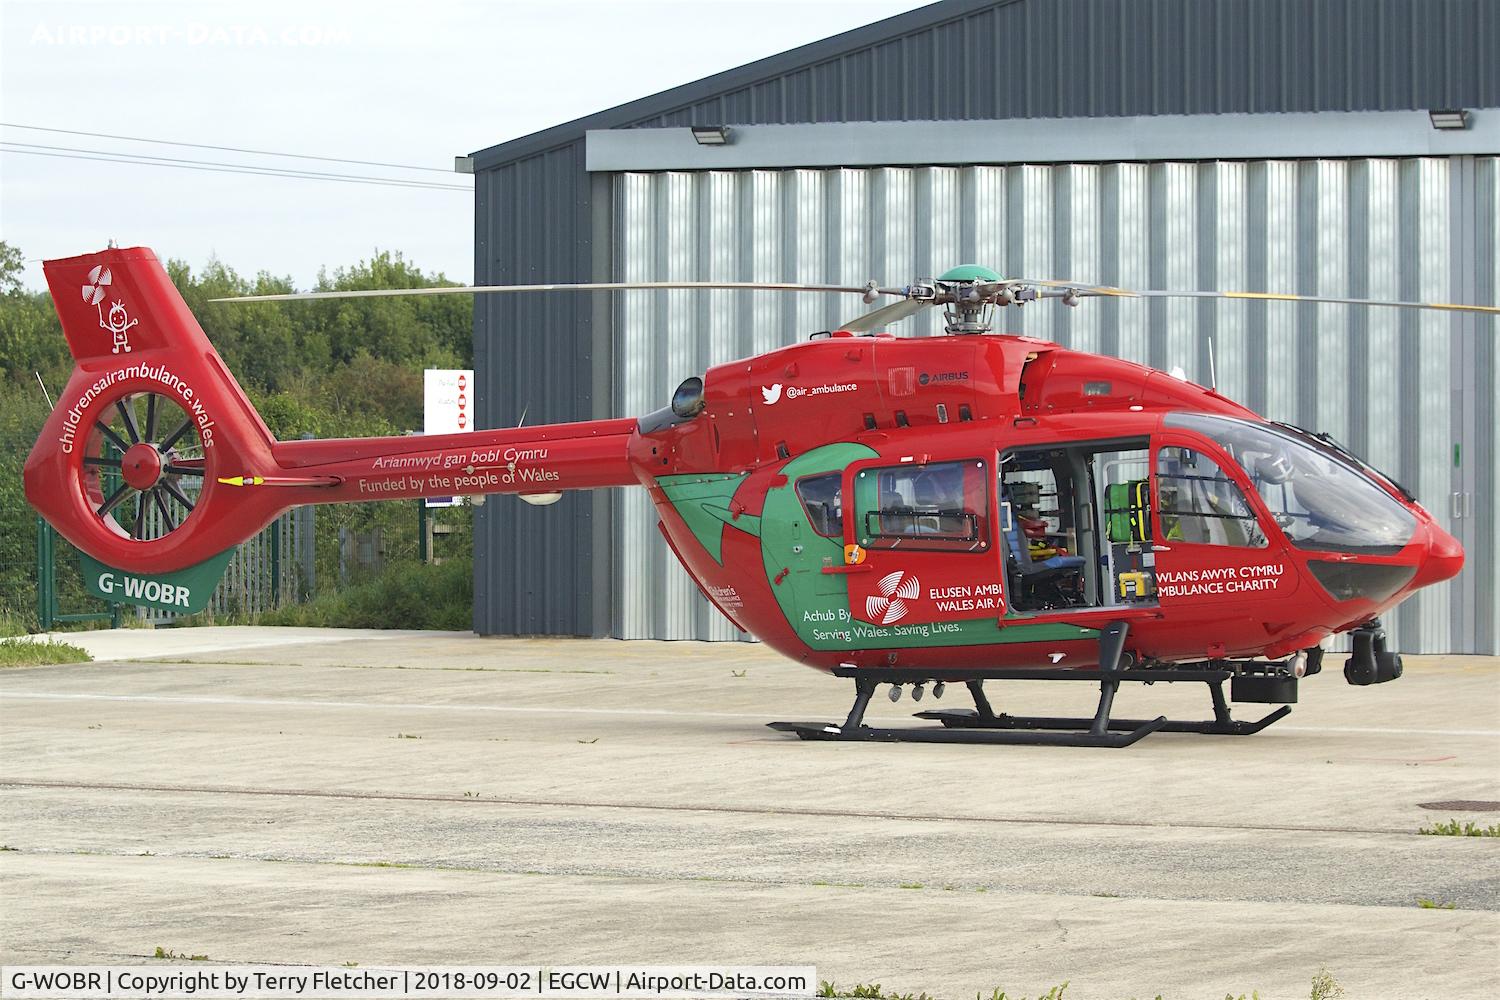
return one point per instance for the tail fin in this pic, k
(124, 467)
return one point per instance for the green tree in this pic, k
(11, 266)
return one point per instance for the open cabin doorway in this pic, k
(1076, 526)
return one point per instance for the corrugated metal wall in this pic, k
(539, 216)
(541, 358)
(1412, 392)
(1103, 58)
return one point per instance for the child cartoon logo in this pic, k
(117, 323)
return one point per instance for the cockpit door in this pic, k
(1212, 547)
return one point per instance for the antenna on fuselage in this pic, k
(1213, 378)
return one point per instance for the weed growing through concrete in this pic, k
(1055, 993)
(911, 885)
(867, 991)
(1432, 904)
(168, 953)
(1453, 829)
(1325, 987)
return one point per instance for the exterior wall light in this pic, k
(711, 135)
(1454, 119)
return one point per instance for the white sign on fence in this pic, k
(447, 408)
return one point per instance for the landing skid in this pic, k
(982, 724)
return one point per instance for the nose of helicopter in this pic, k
(1444, 558)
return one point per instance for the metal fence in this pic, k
(274, 568)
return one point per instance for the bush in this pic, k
(409, 595)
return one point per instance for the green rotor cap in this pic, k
(969, 272)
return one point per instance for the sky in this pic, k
(398, 83)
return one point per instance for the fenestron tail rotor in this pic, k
(143, 466)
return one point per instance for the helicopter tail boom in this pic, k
(154, 460)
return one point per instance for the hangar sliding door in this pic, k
(1413, 392)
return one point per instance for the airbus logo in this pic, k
(770, 393)
(895, 590)
(942, 377)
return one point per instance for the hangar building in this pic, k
(1216, 144)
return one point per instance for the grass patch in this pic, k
(169, 953)
(12, 623)
(404, 595)
(1432, 904)
(31, 653)
(1452, 828)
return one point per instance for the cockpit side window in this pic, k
(823, 501)
(1200, 504)
(1321, 503)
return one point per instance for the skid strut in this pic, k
(982, 724)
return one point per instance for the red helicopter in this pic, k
(906, 511)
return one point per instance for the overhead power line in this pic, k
(226, 149)
(214, 166)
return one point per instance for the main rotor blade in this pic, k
(1130, 293)
(597, 286)
(885, 316)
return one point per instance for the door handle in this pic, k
(1456, 505)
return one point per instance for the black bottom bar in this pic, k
(982, 724)
(963, 718)
(1010, 737)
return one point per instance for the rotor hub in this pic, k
(141, 466)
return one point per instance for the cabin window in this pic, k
(940, 505)
(822, 499)
(1199, 504)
